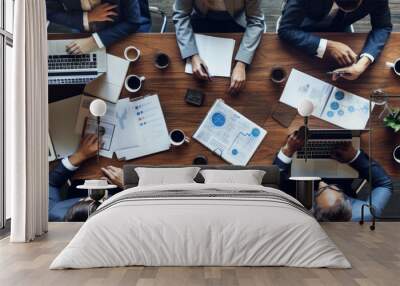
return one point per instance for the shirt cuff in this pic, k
(98, 40)
(285, 159)
(321, 48)
(86, 21)
(356, 156)
(369, 56)
(68, 165)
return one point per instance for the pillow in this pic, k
(248, 177)
(166, 176)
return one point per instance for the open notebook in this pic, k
(216, 52)
(331, 104)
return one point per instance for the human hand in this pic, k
(238, 78)
(87, 149)
(115, 175)
(200, 69)
(102, 13)
(341, 53)
(82, 46)
(294, 142)
(352, 72)
(344, 152)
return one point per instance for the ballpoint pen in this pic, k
(338, 73)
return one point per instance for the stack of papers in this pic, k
(331, 104)
(229, 134)
(217, 53)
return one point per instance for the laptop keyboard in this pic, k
(72, 62)
(69, 80)
(319, 149)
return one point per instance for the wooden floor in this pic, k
(375, 257)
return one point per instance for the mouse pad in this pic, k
(284, 114)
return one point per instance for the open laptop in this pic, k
(321, 142)
(73, 69)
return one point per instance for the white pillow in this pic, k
(166, 176)
(248, 177)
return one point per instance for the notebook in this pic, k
(217, 54)
(229, 134)
(331, 104)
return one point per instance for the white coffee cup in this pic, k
(133, 83)
(396, 158)
(132, 53)
(395, 66)
(178, 137)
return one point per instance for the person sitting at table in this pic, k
(219, 16)
(59, 176)
(300, 18)
(108, 20)
(335, 200)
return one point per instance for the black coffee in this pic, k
(397, 153)
(397, 66)
(162, 60)
(200, 160)
(134, 82)
(177, 136)
(278, 74)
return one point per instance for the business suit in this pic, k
(381, 184)
(246, 13)
(302, 17)
(133, 16)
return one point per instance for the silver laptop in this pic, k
(73, 69)
(321, 142)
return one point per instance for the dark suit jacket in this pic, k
(299, 19)
(131, 15)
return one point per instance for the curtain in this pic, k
(26, 124)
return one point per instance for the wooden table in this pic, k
(259, 95)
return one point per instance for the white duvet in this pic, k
(202, 231)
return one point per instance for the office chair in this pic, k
(159, 20)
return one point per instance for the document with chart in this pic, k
(229, 134)
(331, 104)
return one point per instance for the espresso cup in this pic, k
(178, 137)
(133, 83)
(200, 160)
(278, 75)
(161, 60)
(395, 66)
(132, 53)
(396, 154)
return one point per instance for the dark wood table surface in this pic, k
(256, 101)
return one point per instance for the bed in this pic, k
(197, 224)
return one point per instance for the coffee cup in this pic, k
(395, 66)
(178, 137)
(132, 53)
(396, 154)
(200, 160)
(133, 83)
(278, 75)
(161, 60)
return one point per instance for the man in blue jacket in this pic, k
(334, 200)
(300, 18)
(108, 20)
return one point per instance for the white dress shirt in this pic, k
(88, 5)
(68, 165)
(287, 160)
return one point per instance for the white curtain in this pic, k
(26, 123)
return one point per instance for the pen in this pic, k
(206, 70)
(338, 73)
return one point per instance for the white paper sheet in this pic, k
(216, 52)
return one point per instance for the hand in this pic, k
(198, 70)
(87, 149)
(115, 175)
(82, 46)
(238, 79)
(353, 71)
(341, 53)
(294, 142)
(344, 152)
(102, 13)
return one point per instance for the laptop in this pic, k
(321, 143)
(73, 69)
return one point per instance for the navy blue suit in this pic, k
(382, 186)
(301, 17)
(133, 16)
